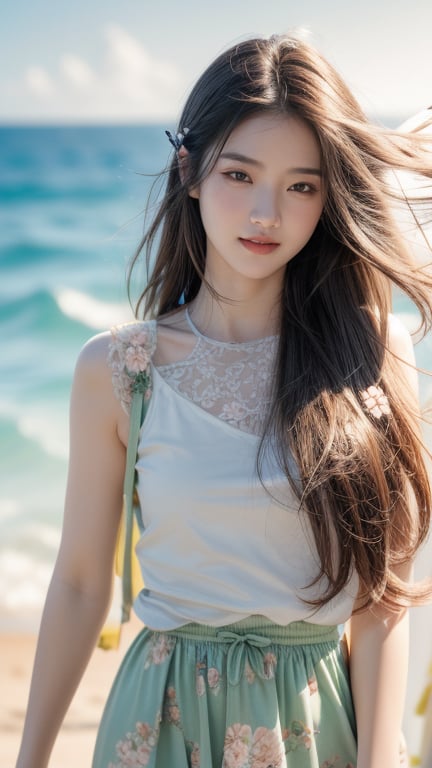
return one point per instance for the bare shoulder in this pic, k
(92, 362)
(401, 346)
(399, 340)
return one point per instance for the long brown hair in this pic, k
(358, 477)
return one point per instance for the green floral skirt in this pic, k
(248, 695)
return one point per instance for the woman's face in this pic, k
(262, 200)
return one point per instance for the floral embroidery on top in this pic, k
(230, 381)
(130, 352)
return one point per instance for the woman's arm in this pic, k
(80, 588)
(379, 640)
(379, 667)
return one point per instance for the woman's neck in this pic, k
(245, 318)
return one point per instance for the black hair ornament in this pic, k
(177, 139)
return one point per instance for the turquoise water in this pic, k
(71, 202)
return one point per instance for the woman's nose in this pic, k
(265, 210)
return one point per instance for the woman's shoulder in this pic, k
(400, 344)
(115, 358)
(399, 339)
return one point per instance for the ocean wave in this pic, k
(41, 428)
(51, 438)
(46, 313)
(17, 194)
(24, 580)
(27, 252)
(92, 312)
(34, 315)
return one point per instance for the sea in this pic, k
(72, 203)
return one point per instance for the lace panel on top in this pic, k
(232, 381)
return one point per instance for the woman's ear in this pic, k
(183, 166)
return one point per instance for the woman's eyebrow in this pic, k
(251, 161)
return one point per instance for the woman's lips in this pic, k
(258, 246)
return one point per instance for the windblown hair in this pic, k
(362, 480)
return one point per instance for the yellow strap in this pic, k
(126, 564)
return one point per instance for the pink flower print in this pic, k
(144, 730)
(236, 746)
(136, 359)
(160, 649)
(200, 685)
(171, 709)
(195, 757)
(270, 662)
(312, 685)
(136, 748)
(267, 749)
(213, 677)
(299, 735)
(332, 763)
(249, 673)
(143, 754)
(173, 714)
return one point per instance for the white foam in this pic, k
(47, 535)
(53, 439)
(9, 508)
(24, 581)
(90, 311)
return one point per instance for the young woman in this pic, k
(281, 478)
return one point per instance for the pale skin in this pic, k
(262, 202)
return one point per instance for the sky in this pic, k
(126, 61)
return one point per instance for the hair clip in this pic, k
(375, 402)
(177, 140)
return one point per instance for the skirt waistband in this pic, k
(296, 633)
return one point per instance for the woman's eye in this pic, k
(302, 186)
(238, 175)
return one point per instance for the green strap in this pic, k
(137, 414)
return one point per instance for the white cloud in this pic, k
(77, 71)
(134, 72)
(139, 80)
(39, 82)
(129, 84)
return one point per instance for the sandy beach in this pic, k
(74, 746)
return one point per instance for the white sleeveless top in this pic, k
(217, 546)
